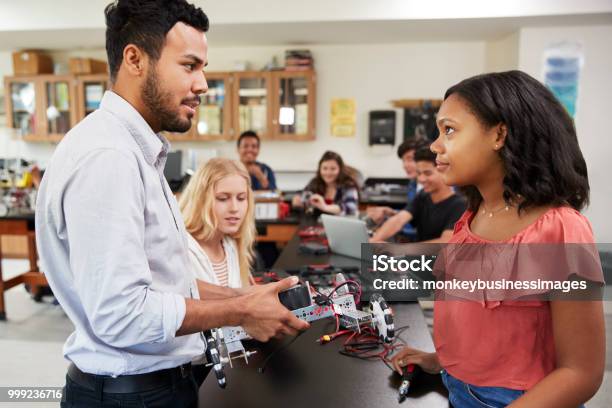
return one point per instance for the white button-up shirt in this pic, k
(113, 245)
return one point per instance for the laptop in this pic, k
(345, 235)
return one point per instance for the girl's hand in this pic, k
(427, 361)
(318, 201)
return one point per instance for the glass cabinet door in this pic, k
(293, 116)
(58, 106)
(89, 92)
(213, 113)
(23, 107)
(92, 95)
(252, 103)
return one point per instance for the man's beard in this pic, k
(158, 103)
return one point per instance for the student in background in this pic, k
(262, 176)
(434, 210)
(405, 152)
(217, 206)
(513, 148)
(332, 190)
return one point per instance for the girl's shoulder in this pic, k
(349, 190)
(556, 225)
(462, 223)
(562, 225)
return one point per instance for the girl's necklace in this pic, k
(491, 213)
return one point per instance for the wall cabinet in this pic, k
(278, 105)
(293, 105)
(89, 92)
(213, 120)
(42, 107)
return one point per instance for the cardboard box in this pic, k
(267, 210)
(32, 63)
(267, 205)
(81, 66)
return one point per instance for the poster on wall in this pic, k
(561, 72)
(343, 117)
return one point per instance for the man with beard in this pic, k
(110, 235)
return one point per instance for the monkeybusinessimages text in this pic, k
(385, 263)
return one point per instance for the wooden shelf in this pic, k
(43, 138)
(415, 103)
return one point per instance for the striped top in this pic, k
(221, 271)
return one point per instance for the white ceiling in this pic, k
(77, 24)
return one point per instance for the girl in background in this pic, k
(332, 190)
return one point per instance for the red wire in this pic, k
(366, 336)
(346, 282)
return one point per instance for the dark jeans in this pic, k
(182, 392)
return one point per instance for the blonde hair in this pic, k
(196, 204)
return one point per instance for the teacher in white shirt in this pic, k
(110, 235)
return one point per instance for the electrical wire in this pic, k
(363, 344)
(348, 282)
(366, 345)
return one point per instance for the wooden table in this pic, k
(22, 225)
(279, 231)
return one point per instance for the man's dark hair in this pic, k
(145, 24)
(425, 154)
(248, 133)
(542, 160)
(411, 144)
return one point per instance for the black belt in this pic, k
(125, 384)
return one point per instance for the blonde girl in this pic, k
(218, 209)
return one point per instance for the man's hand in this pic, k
(391, 227)
(256, 171)
(265, 317)
(378, 214)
